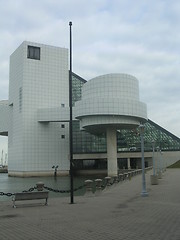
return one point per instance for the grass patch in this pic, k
(175, 165)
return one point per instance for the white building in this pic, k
(38, 81)
(36, 116)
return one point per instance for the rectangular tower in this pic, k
(39, 79)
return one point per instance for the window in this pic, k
(33, 52)
(62, 105)
(62, 136)
(62, 126)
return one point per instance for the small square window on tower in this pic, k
(33, 52)
(62, 126)
(62, 136)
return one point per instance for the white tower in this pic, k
(108, 103)
(38, 81)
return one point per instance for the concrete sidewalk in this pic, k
(118, 213)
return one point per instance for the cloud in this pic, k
(136, 37)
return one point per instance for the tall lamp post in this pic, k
(154, 177)
(153, 145)
(70, 120)
(144, 192)
(159, 163)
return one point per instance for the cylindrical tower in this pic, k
(110, 102)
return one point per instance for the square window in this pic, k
(33, 52)
(62, 136)
(62, 126)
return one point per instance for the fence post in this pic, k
(98, 186)
(88, 184)
(39, 186)
(108, 182)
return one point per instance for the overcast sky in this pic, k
(137, 37)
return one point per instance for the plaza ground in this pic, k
(118, 213)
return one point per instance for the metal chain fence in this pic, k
(6, 194)
(45, 187)
(63, 191)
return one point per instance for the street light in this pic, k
(144, 192)
(154, 178)
(161, 162)
(158, 164)
(153, 145)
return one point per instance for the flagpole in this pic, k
(70, 122)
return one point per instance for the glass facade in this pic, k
(84, 142)
(77, 83)
(127, 140)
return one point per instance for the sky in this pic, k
(137, 37)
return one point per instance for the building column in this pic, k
(128, 163)
(111, 152)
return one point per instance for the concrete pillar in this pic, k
(111, 152)
(128, 163)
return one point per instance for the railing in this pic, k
(96, 186)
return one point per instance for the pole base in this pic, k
(154, 179)
(160, 175)
(144, 194)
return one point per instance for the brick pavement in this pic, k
(118, 213)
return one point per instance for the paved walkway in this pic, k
(119, 213)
